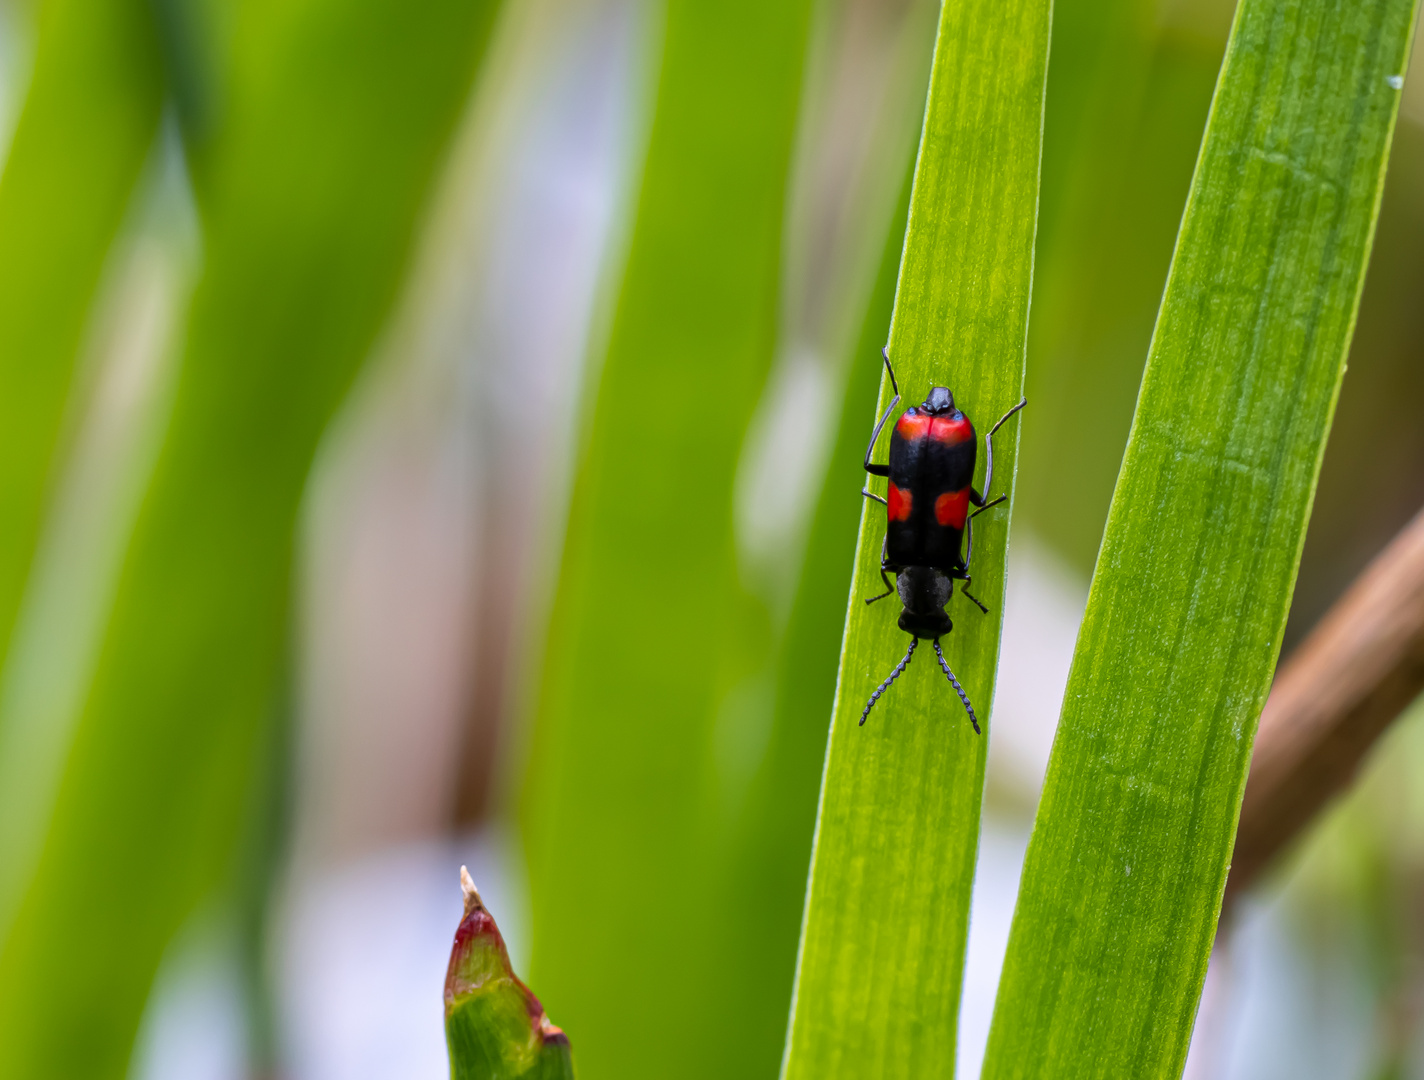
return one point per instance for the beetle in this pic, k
(933, 448)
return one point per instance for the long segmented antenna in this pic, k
(893, 676)
(952, 682)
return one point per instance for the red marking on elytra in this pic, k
(951, 507)
(899, 502)
(951, 431)
(913, 425)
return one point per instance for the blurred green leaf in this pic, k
(884, 934)
(1123, 878)
(87, 126)
(656, 655)
(1372, 478)
(335, 121)
(1127, 100)
(773, 840)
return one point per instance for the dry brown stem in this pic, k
(1361, 666)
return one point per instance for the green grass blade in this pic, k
(883, 939)
(1124, 873)
(86, 128)
(774, 833)
(654, 648)
(335, 122)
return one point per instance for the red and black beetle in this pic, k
(931, 472)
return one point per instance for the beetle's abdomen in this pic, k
(931, 468)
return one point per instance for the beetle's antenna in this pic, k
(952, 682)
(893, 676)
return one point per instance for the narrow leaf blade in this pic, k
(884, 932)
(1124, 874)
(87, 125)
(655, 649)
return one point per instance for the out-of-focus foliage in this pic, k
(773, 843)
(333, 119)
(1348, 899)
(88, 123)
(1372, 481)
(1127, 98)
(654, 645)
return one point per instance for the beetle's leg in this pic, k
(982, 503)
(884, 566)
(871, 495)
(965, 590)
(889, 588)
(989, 449)
(969, 532)
(944, 666)
(963, 573)
(988, 505)
(883, 470)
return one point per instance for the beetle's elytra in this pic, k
(933, 449)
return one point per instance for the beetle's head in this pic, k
(940, 402)
(925, 627)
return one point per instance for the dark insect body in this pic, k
(933, 449)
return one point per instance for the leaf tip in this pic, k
(472, 894)
(480, 975)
